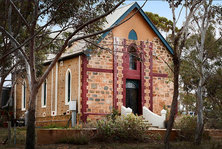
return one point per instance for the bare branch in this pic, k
(179, 15)
(106, 30)
(94, 20)
(16, 9)
(69, 41)
(157, 56)
(16, 44)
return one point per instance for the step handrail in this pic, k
(153, 118)
(125, 111)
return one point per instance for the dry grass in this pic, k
(21, 133)
(19, 139)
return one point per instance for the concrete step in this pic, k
(154, 126)
(150, 124)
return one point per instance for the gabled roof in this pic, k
(119, 14)
(116, 17)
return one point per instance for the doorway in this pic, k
(132, 96)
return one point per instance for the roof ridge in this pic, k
(125, 5)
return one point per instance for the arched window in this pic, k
(23, 96)
(68, 87)
(44, 93)
(133, 56)
(131, 84)
(132, 35)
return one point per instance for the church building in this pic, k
(131, 70)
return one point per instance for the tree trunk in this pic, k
(1, 87)
(200, 124)
(30, 134)
(174, 103)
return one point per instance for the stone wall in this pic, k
(100, 72)
(100, 92)
(162, 80)
(99, 67)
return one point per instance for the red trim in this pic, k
(160, 75)
(84, 87)
(99, 70)
(142, 75)
(124, 72)
(151, 76)
(87, 113)
(131, 74)
(115, 79)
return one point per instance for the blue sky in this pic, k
(161, 8)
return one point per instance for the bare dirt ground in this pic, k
(21, 134)
(90, 146)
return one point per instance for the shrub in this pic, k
(115, 114)
(213, 119)
(123, 128)
(186, 126)
(54, 126)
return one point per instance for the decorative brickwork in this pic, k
(103, 82)
(123, 72)
(118, 48)
(148, 76)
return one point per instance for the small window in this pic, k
(23, 96)
(44, 93)
(132, 62)
(132, 35)
(133, 56)
(68, 87)
(68, 92)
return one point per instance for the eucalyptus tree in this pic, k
(178, 43)
(203, 55)
(78, 19)
(213, 100)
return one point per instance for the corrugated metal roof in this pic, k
(78, 47)
(117, 16)
(111, 18)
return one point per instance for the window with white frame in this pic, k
(44, 93)
(23, 96)
(68, 87)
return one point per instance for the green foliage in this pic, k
(54, 126)
(213, 107)
(161, 23)
(115, 114)
(123, 128)
(188, 101)
(186, 126)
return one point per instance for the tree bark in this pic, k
(1, 87)
(30, 133)
(174, 102)
(200, 124)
